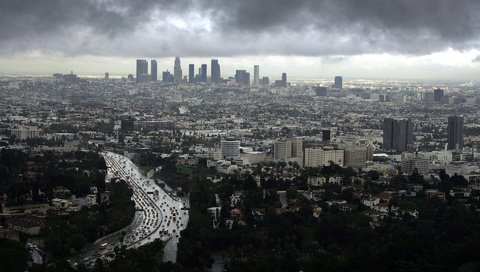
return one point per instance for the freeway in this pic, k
(159, 215)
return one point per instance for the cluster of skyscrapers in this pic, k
(142, 75)
(242, 77)
(398, 134)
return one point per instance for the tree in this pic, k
(458, 180)
(292, 193)
(444, 178)
(416, 177)
(77, 241)
(399, 182)
(13, 255)
(249, 183)
(373, 175)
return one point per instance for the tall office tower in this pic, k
(142, 71)
(177, 71)
(153, 69)
(284, 80)
(338, 82)
(397, 134)
(256, 75)
(230, 148)
(191, 73)
(203, 73)
(242, 77)
(215, 72)
(438, 95)
(107, 75)
(455, 132)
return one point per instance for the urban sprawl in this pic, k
(369, 147)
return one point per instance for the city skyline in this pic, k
(298, 68)
(383, 40)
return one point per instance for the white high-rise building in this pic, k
(230, 148)
(256, 75)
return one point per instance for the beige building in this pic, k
(288, 150)
(282, 150)
(315, 157)
(23, 133)
(357, 156)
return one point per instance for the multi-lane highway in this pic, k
(159, 215)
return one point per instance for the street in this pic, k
(159, 215)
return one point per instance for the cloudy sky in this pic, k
(393, 39)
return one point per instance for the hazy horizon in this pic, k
(398, 39)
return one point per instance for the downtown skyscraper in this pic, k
(242, 77)
(191, 73)
(177, 71)
(256, 75)
(153, 68)
(283, 82)
(203, 73)
(215, 72)
(142, 71)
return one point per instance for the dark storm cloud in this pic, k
(238, 27)
(25, 18)
(407, 26)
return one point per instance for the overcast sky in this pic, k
(397, 39)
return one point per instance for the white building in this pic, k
(253, 157)
(230, 148)
(319, 181)
(23, 133)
